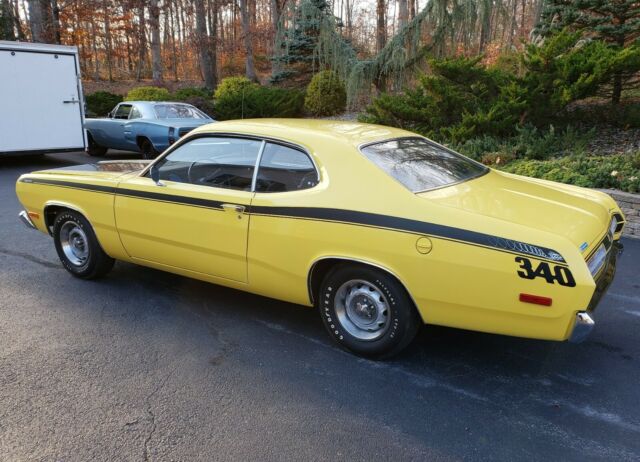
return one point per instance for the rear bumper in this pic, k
(24, 218)
(583, 323)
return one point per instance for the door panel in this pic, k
(186, 226)
(41, 104)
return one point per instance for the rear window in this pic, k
(177, 111)
(421, 165)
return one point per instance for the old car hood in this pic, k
(579, 214)
(110, 169)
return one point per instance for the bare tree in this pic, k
(206, 46)
(156, 55)
(142, 39)
(247, 37)
(403, 13)
(381, 25)
(40, 20)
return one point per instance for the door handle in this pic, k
(233, 208)
(71, 101)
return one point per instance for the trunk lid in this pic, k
(579, 214)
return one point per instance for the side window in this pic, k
(213, 161)
(285, 169)
(122, 112)
(135, 113)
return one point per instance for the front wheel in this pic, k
(147, 149)
(78, 248)
(367, 311)
(94, 149)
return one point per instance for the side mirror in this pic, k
(155, 175)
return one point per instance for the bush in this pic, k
(617, 172)
(186, 93)
(259, 102)
(529, 143)
(100, 103)
(233, 86)
(326, 95)
(460, 100)
(148, 94)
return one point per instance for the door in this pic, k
(196, 219)
(112, 128)
(41, 105)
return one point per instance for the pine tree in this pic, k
(298, 40)
(616, 22)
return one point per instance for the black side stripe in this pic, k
(350, 217)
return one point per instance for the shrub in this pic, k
(617, 172)
(460, 100)
(183, 94)
(258, 102)
(232, 86)
(148, 94)
(101, 103)
(326, 95)
(529, 143)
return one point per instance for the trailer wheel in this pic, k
(94, 149)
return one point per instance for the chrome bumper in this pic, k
(24, 218)
(582, 327)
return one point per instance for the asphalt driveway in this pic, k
(145, 365)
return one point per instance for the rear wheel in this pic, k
(78, 247)
(94, 149)
(147, 149)
(367, 311)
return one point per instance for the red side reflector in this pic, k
(535, 299)
(33, 215)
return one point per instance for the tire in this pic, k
(94, 149)
(78, 247)
(147, 150)
(352, 302)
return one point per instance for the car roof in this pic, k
(151, 103)
(304, 130)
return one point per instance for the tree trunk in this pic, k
(156, 55)
(381, 25)
(55, 22)
(142, 39)
(403, 14)
(276, 11)
(36, 21)
(18, 25)
(107, 38)
(247, 38)
(204, 46)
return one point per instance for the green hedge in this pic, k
(100, 103)
(148, 94)
(254, 101)
(616, 172)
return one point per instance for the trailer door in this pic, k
(41, 106)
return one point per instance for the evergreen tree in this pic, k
(616, 22)
(297, 39)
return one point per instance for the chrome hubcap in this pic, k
(74, 243)
(362, 309)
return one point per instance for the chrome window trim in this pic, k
(485, 171)
(264, 139)
(254, 178)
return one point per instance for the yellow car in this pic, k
(379, 228)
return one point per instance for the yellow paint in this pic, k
(452, 283)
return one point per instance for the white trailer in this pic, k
(42, 108)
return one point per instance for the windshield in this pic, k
(421, 165)
(178, 111)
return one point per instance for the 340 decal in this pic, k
(551, 273)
